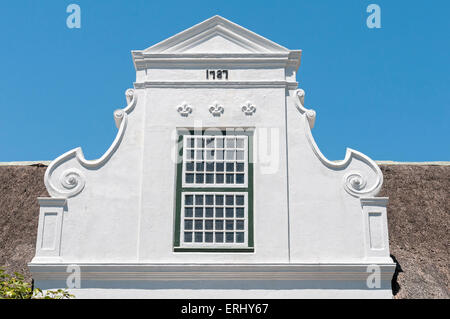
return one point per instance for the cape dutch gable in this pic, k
(185, 203)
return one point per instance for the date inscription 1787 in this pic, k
(217, 74)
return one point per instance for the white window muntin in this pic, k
(203, 152)
(213, 219)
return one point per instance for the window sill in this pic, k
(215, 250)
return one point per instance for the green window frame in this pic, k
(235, 192)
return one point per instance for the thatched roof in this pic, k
(418, 216)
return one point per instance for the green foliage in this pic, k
(14, 287)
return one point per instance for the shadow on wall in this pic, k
(398, 269)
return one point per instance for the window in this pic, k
(214, 195)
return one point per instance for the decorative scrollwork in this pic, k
(248, 108)
(72, 180)
(354, 183)
(216, 109)
(184, 109)
(310, 114)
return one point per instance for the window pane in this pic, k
(239, 178)
(199, 155)
(239, 200)
(229, 212)
(200, 166)
(219, 237)
(199, 224)
(209, 224)
(240, 155)
(230, 167)
(209, 237)
(219, 199)
(240, 237)
(239, 167)
(198, 199)
(219, 212)
(219, 142)
(239, 143)
(189, 166)
(240, 212)
(199, 211)
(210, 143)
(209, 199)
(229, 155)
(229, 225)
(230, 179)
(219, 224)
(231, 142)
(188, 224)
(229, 237)
(198, 237)
(219, 167)
(188, 212)
(219, 155)
(210, 166)
(209, 212)
(209, 178)
(230, 199)
(240, 224)
(189, 178)
(219, 178)
(189, 200)
(190, 142)
(188, 237)
(200, 142)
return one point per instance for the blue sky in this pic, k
(384, 92)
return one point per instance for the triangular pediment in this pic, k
(216, 35)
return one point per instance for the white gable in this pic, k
(216, 35)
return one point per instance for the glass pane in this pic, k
(219, 237)
(209, 155)
(200, 166)
(210, 142)
(229, 155)
(188, 211)
(188, 199)
(240, 224)
(230, 167)
(209, 178)
(219, 167)
(209, 199)
(198, 199)
(219, 155)
(219, 224)
(240, 212)
(219, 212)
(189, 178)
(190, 142)
(239, 200)
(219, 178)
(210, 166)
(199, 212)
(219, 199)
(231, 142)
(190, 154)
(229, 225)
(230, 199)
(239, 143)
(188, 237)
(209, 212)
(209, 224)
(230, 178)
(229, 212)
(209, 237)
(199, 155)
(239, 167)
(219, 142)
(240, 237)
(198, 224)
(188, 224)
(200, 142)
(229, 237)
(189, 166)
(198, 237)
(239, 178)
(240, 155)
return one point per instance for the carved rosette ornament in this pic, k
(354, 183)
(216, 109)
(248, 108)
(72, 181)
(184, 109)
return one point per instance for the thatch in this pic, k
(418, 215)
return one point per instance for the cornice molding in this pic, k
(210, 272)
(221, 84)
